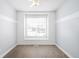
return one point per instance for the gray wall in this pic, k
(20, 29)
(67, 27)
(7, 27)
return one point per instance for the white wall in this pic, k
(20, 29)
(7, 27)
(67, 27)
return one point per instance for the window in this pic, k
(35, 26)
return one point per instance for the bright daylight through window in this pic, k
(36, 26)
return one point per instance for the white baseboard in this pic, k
(64, 51)
(35, 44)
(1, 56)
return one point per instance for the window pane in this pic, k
(36, 26)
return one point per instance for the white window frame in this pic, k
(46, 25)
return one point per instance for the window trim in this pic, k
(47, 30)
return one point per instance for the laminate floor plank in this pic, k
(36, 51)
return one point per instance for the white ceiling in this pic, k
(45, 5)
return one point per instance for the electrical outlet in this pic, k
(62, 41)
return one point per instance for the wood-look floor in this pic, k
(38, 51)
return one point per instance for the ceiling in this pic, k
(45, 5)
